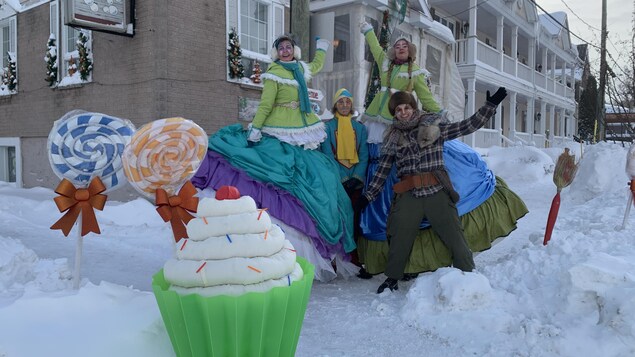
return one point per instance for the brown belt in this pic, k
(409, 182)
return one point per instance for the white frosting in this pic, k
(211, 207)
(241, 223)
(235, 290)
(238, 270)
(232, 245)
(232, 249)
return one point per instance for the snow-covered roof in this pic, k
(609, 108)
(441, 31)
(551, 26)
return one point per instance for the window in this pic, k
(8, 44)
(433, 64)
(254, 20)
(9, 164)
(7, 39)
(66, 46)
(260, 22)
(342, 40)
(70, 56)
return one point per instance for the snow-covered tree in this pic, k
(51, 61)
(9, 77)
(234, 56)
(85, 56)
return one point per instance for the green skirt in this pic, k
(494, 218)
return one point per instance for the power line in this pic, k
(563, 26)
(468, 9)
(579, 18)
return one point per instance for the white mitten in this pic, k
(365, 27)
(322, 44)
(254, 134)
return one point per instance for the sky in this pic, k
(585, 21)
(573, 297)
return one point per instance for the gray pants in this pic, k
(402, 228)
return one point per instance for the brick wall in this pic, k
(175, 65)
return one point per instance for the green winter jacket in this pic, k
(279, 103)
(378, 108)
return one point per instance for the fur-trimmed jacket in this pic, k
(402, 146)
(400, 79)
(279, 106)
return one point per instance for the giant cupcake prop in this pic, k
(235, 286)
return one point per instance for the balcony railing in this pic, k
(509, 65)
(487, 54)
(524, 72)
(490, 56)
(540, 79)
(460, 51)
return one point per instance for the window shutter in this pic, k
(13, 40)
(54, 19)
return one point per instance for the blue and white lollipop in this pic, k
(83, 145)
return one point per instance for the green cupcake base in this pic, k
(254, 324)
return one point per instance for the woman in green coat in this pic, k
(277, 163)
(284, 110)
(398, 72)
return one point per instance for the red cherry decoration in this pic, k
(227, 193)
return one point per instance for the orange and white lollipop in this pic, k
(164, 154)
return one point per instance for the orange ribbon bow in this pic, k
(74, 201)
(175, 208)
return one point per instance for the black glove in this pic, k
(498, 97)
(362, 203)
(351, 184)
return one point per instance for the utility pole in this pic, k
(602, 90)
(300, 20)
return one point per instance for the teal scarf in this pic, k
(303, 92)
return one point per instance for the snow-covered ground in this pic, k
(573, 297)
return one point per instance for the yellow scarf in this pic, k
(346, 144)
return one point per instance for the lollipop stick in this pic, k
(78, 254)
(628, 209)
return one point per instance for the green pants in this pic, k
(402, 227)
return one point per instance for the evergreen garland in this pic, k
(234, 56)
(85, 56)
(375, 79)
(9, 78)
(51, 61)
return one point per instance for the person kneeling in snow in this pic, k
(414, 143)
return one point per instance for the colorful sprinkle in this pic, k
(266, 231)
(204, 220)
(254, 269)
(260, 214)
(229, 239)
(293, 250)
(289, 279)
(201, 267)
(184, 243)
